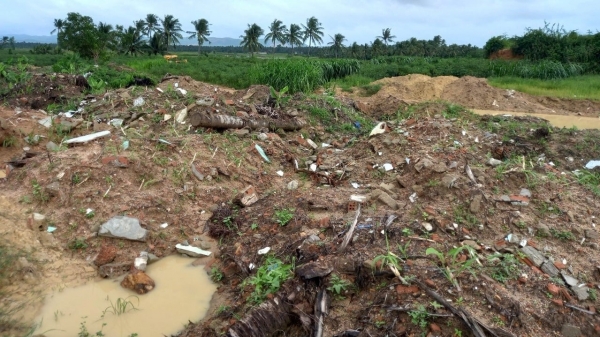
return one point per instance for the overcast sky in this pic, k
(457, 21)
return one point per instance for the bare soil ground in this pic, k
(426, 200)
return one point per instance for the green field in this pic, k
(240, 71)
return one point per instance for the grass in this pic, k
(269, 277)
(579, 87)
(284, 216)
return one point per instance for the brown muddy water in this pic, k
(555, 120)
(183, 293)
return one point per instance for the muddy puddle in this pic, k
(556, 120)
(182, 294)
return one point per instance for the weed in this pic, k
(269, 278)
(254, 226)
(498, 321)
(419, 316)
(593, 294)
(283, 216)
(121, 306)
(452, 266)
(83, 331)
(9, 141)
(379, 324)
(38, 192)
(562, 235)
(78, 243)
(279, 97)
(371, 89)
(338, 285)
(505, 267)
(215, 274)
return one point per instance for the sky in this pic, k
(456, 21)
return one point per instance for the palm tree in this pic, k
(313, 32)
(132, 41)
(59, 24)
(337, 43)
(171, 30)
(11, 42)
(277, 32)
(200, 32)
(151, 25)
(386, 36)
(251, 37)
(294, 36)
(355, 49)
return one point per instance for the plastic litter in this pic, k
(388, 167)
(165, 225)
(358, 198)
(592, 164)
(182, 91)
(311, 143)
(313, 167)
(379, 129)
(116, 122)
(88, 138)
(262, 152)
(413, 197)
(280, 173)
(51, 229)
(264, 250)
(125, 145)
(181, 115)
(355, 185)
(140, 101)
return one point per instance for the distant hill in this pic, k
(215, 41)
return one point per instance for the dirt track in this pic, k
(427, 184)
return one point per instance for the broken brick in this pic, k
(402, 289)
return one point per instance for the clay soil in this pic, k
(426, 200)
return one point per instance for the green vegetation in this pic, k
(216, 274)
(451, 263)
(580, 87)
(338, 285)
(284, 215)
(504, 267)
(121, 306)
(269, 278)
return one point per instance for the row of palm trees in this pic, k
(160, 33)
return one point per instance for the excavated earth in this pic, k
(424, 182)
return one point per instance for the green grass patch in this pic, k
(578, 87)
(269, 277)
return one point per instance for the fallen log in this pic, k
(233, 122)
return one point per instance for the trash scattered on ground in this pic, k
(262, 152)
(592, 164)
(191, 250)
(87, 138)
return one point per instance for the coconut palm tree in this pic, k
(59, 24)
(171, 30)
(386, 36)
(200, 32)
(337, 43)
(132, 41)
(250, 39)
(151, 25)
(277, 32)
(313, 31)
(294, 36)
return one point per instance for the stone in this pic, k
(582, 292)
(449, 180)
(106, 255)
(141, 262)
(591, 234)
(525, 193)
(439, 168)
(569, 330)
(534, 255)
(113, 270)
(404, 181)
(553, 289)
(312, 239)
(152, 258)
(52, 147)
(543, 230)
(123, 227)
(475, 206)
(138, 281)
(494, 162)
(262, 136)
(191, 250)
(423, 164)
(570, 280)
(314, 269)
(427, 226)
(389, 188)
(292, 185)
(116, 161)
(550, 269)
(385, 198)
(472, 243)
(247, 197)
(53, 189)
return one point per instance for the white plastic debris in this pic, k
(407, 160)
(388, 167)
(311, 143)
(116, 122)
(251, 266)
(313, 167)
(182, 91)
(262, 152)
(165, 225)
(181, 115)
(191, 250)
(139, 101)
(279, 173)
(159, 90)
(88, 211)
(51, 229)
(176, 84)
(355, 185)
(166, 117)
(264, 250)
(379, 129)
(88, 138)
(358, 198)
(46, 121)
(325, 145)
(592, 164)
(413, 197)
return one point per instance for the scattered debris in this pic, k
(123, 227)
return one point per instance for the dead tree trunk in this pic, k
(270, 317)
(232, 122)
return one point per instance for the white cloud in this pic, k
(464, 21)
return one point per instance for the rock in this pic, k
(427, 226)
(571, 216)
(404, 181)
(123, 227)
(423, 164)
(389, 188)
(262, 136)
(550, 269)
(385, 198)
(191, 251)
(525, 193)
(449, 180)
(292, 185)
(52, 147)
(476, 204)
(472, 243)
(440, 168)
(138, 281)
(106, 255)
(543, 230)
(591, 234)
(113, 270)
(582, 292)
(312, 239)
(53, 189)
(314, 269)
(152, 258)
(570, 280)
(569, 330)
(494, 162)
(534, 255)
(247, 197)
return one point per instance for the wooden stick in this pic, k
(351, 231)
